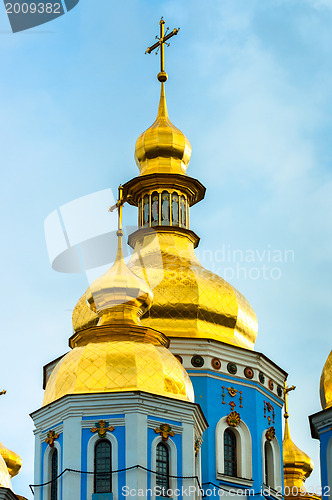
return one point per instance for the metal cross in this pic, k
(3, 392)
(162, 76)
(118, 206)
(286, 391)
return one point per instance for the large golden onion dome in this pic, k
(162, 148)
(118, 366)
(326, 384)
(118, 354)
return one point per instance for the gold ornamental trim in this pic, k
(165, 430)
(233, 419)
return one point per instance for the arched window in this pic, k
(103, 467)
(155, 209)
(165, 208)
(268, 464)
(162, 468)
(183, 211)
(146, 211)
(175, 209)
(54, 475)
(230, 462)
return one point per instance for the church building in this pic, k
(162, 394)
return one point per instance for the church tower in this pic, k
(162, 387)
(321, 427)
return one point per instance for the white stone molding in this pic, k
(91, 461)
(47, 476)
(172, 453)
(275, 459)
(329, 463)
(243, 448)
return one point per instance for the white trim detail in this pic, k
(276, 459)
(91, 459)
(243, 447)
(47, 474)
(329, 463)
(172, 450)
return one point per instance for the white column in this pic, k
(72, 436)
(188, 459)
(37, 466)
(136, 450)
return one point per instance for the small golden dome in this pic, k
(119, 366)
(162, 148)
(12, 460)
(119, 296)
(4, 475)
(297, 465)
(326, 384)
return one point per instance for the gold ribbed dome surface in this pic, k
(189, 301)
(326, 384)
(12, 460)
(162, 148)
(4, 475)
(119, 366)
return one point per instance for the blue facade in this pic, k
(253, 412)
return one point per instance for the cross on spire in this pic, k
(162, 40)
(118, 206)
(3, 392)
(286, 391)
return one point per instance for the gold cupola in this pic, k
(297, 465)
(326, 384)
(162, 148)
(117, 353)
(189, 301)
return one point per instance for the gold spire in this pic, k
(162, 148)
(297, 465)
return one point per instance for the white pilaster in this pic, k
(37, 466)
(136, 450)
(188, 459)
(72, 435)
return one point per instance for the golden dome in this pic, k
(297, 465)
(162, 148)
(119, 296)
(326, 384)
(118, 366)
(4, 475)
(188, 300)
(12, 460)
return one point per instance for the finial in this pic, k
(162, 40)
(3, 392)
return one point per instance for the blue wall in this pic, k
(208, 393)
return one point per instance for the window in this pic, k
(165, 208)
(54, 475)
(269, 468)
(103, 467)
(230, 462)
(155, 209)
(175, 209)
(162, 468)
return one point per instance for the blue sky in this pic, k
(250, 85)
